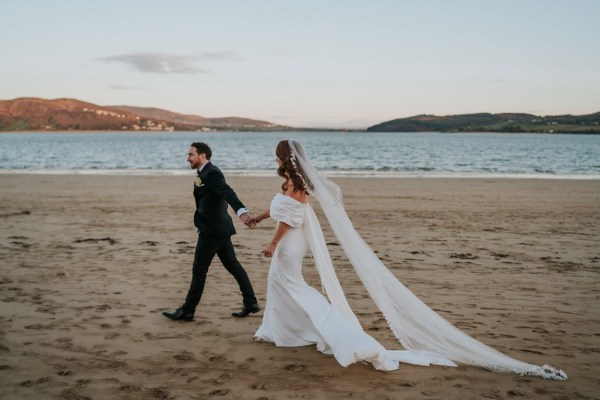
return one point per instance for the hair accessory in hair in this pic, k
(295, 171)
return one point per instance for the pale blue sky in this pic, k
(328, 63)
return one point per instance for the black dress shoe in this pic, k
(251, 309)
(179, 315)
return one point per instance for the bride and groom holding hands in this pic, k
(297, 314)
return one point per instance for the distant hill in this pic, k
(486, 122)
(61, 114)
(35, 114)
(198, 121)
(27, 114)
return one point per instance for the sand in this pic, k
(88, 263)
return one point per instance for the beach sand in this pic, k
(88, 263)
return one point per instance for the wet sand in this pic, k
(88, 263)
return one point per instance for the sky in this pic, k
(312, 63)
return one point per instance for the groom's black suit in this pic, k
(215, 229)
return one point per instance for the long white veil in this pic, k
(417, 326)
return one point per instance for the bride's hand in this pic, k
(262, 216)
(269, 250)
(248, 220)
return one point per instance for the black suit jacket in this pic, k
(212, 196)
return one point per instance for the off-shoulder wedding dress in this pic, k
(297, 314)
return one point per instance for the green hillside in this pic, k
(486, 122)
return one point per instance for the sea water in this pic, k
(334, 153)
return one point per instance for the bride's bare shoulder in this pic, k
(299, 195)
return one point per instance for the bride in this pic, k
(296, 314)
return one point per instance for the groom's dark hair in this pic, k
(203, 148)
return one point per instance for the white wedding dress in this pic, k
(298, 315)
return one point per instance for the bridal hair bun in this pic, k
(290, 168)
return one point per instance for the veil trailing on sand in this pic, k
(417, 326)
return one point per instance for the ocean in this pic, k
(365, 154)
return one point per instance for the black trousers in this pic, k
(206, 249)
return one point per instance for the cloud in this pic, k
(121, 87)
(163, 63)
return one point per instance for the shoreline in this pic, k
(329, 174)
(315, 130)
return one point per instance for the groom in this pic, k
(215, 228)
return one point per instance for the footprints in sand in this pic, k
(499, 255)
(111, 336)
(559, 265)
(377, 324)
(407, 383)
(162, 393)
(39, 381)
(217, 358)
(179, 247)
(21, 242)
(18, 238)
(219, 392)
(295, 367)
(96, 240)
(64, 372)
(464, 256)
(259, 386)
(183, 248)
(129, 388)
(161, 336)
(185, 356)
(40, 326)
(15, 213)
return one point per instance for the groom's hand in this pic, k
(248, 220)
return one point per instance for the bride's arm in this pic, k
(282, 228)
(263, 215)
